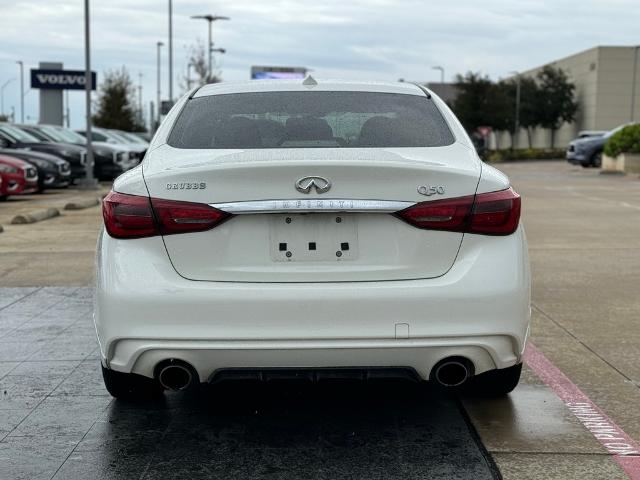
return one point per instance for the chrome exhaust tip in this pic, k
(177, 375)
(452, 372)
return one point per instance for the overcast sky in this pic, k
(359, 39)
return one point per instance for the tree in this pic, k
(480, 102)
(199, 61)
(115, 107)
(556, 100)
(472, 103)
(528, 114)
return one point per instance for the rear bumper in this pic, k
(146, 313)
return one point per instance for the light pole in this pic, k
(516, 126)
(159, 90)
(170, 51)
(189, 65)
(19, 62)
(89, 181)
(441, 73)
(634, 81)
(210, 19)
(2, 94)
(140, 115)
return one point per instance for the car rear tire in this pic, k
(494, 383)
(130, 386)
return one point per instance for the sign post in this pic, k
(89, 83)
(52, 80)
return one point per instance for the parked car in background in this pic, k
(587, 151)
(53, 172)
(109, 161)
(12, 137)
(114, 137)
(132, 138)
(18, 177)
(145, 136)
(591, 133)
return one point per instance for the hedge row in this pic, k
(507, 155)
(626, 140)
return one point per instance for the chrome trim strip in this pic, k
(315, 205)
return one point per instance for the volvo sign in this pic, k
(60, 79)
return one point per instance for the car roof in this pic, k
(306, 85)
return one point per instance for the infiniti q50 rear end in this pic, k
(325, 228)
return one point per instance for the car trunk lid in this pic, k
(281, 234)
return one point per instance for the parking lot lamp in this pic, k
(89, 181)
(441, 73)
(634, 82)
(19, 62)
(210, 19)
(159, 80)
(516, 126)
(2, 94)
(170, 51)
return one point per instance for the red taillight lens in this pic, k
(133, 216)
(451, 214)
(494, 213)
(182, 217)
(128, 216)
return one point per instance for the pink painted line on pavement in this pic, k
(625, 451)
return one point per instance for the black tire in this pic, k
(3, 198)
(596, 160)
(130, 386)
(494, 383)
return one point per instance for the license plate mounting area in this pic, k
(313, 237)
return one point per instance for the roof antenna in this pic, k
(309, 82)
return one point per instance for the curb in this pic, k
(35, 216)
(80, 204)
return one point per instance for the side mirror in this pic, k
(4, 143)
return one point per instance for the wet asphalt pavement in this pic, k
(57, 420)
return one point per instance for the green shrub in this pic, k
(508, 155)
(626, 140)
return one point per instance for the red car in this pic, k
(18, 177)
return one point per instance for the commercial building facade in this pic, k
(607, 81)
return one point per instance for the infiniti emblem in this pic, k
(305, 184)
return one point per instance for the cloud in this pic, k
(370, 39)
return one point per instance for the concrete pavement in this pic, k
(584, 238)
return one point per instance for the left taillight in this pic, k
(493, 213)
(135, 216)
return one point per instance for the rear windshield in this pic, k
(310, 119)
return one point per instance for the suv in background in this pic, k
(587, 151)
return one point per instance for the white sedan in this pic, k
(311, 229)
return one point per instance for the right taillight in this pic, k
(493, 213)
(135, 216)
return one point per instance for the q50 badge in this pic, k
(187, 186)
(429, 190)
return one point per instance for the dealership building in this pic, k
(607, 81)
